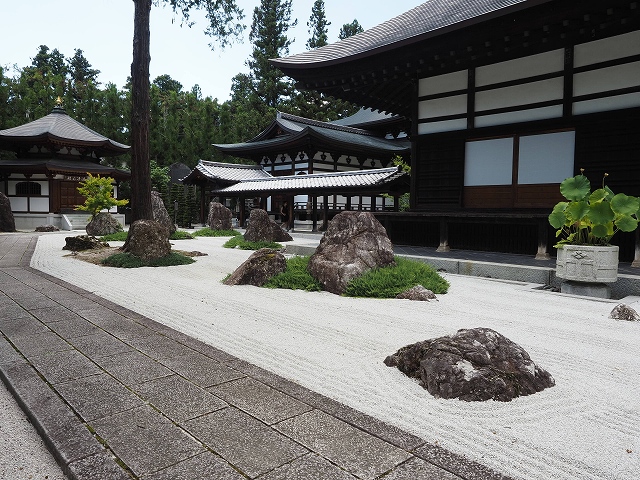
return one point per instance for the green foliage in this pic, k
(592, 218)
(350, 29)
(181, 235)
(98, 193)
(126, 260)
(242, 244)
(318, 26)
(387, 282)
(295, 277)
(115, 237)
(208, 232)
(159, 176)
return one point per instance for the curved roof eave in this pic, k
(431, 19)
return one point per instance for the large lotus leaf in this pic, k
(602, 230)
(625, 205)
(597, 196)
(558, 218)
(576, 211)
(601, 213)
(575, 188)
(626, 223)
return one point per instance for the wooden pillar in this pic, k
(348, 205)
(444, 236)
(636, 258)
(241, 215)
(373, 203)
(314, 213)
(325, 218)
(542, 253)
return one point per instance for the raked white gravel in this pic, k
(586, 427)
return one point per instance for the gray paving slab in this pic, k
(21, 326)
(72, 327)
(352, 449)
(178, 398)
(97, 466)
(8, 354)
(159, 347)
(417, 468)
(308, 467)
(243, 441)
(204, 465)
(133, 367)
(98, 396)
(39, 343)
(64, 366)
(457, 464)
(145, 441)
(260, 400)
(53, 314)
(202, 370)
(99, 344)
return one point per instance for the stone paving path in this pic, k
(116, 395)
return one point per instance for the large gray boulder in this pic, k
(7, 222)
(258, 268)
(160, 213)
(219, 217)
(354, 243)
(148, 240)
(262, 229)
(475, 364)
(624, 312)
(103, 224)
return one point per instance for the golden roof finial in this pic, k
(59, 102)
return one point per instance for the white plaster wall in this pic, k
(519, 68)
(439, 107)
(488, 162)
(515, 95)
(18, 204)
(443, 83)
(610, 48)
(605, 79)
(519, 116)
(39, 204)
(546, 158)
(444, 126)
(607, 104)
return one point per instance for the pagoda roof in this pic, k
(291, 132)
(61, 166)
(373, 180)
(58, 131)
(224, 173)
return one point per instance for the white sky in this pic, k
(103, 30)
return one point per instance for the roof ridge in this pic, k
(231, 165)
(321, 124)
(369, 171)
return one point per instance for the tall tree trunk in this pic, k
(140, 114)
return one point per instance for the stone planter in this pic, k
(588, 263)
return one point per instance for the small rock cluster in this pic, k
(624, 312)
(473, 365)
(47, 228)
(83, 242)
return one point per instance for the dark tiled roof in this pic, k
(61, 166)
(226, 172)
(61, 129)
(361, 179)
(431, 18)
(366, 117)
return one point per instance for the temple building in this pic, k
(50, 156)
(505, 99)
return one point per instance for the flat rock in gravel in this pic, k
(475, 364)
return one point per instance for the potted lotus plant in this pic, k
(585, 224)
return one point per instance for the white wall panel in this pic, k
(610, 48)
(546, 158)
(40, 204)
(443, 83)
(605, 79)
(444, 126)
(515, 95)
(607, 104)
(18, 204)
(519, 68)
(488, 162)
(442, 106)
(530, 115)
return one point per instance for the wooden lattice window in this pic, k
(28, 189)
